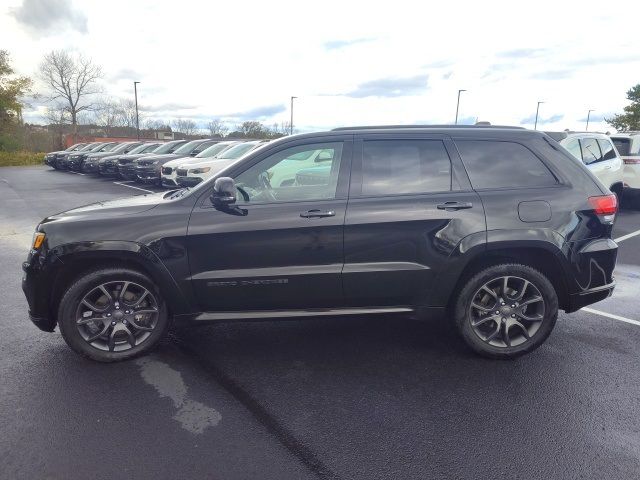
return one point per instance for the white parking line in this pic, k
(628, 235)
(131, 186)
(611, 315)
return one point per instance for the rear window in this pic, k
(590, 150)
(404, 167)
(606, 147)
(623, 145)
(495, 164)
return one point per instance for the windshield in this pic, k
(167, 147)
(187, 148)
(107, 148)
(121, 147)
(138, 149)
(89, 147)
(75, 147)
(238, 150)
(213, 150)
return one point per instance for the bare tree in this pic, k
(185, 125)
(107, 114)
(217, 128)
(158, 125)
(72, 79)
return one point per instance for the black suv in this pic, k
(496, 227)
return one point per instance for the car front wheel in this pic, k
(506, 311)
(110, 315)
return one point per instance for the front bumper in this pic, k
(90, 167)
(36, 287)
(108, 169)
(188, 181)
(149, 173)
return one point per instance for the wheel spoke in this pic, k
(490, 292)
(145, 310)
(494, 334)
(535, 299)
(480, 307)
(98, 335)
(106, 292)
(130, 337)
(92, 307)
(523, 290)
(124, 289)
(538, 317)
(505, 282)
(112, 340)
(137, 326)
(482, 321)
(84, 321)
(142, 297)
(525, 332)
(505, 335)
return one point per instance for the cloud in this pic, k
(391, 87)
(605, 60)
(596, 117)
(541, 120)
(337, 44)
(522, 52)
(553, 74)
(258, 113)
(124, 74)
(467, 121)
(45, 16)
(167, 107)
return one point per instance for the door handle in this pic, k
(607, 167)
(315, 213)
(451, 206)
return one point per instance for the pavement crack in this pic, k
(297, 448)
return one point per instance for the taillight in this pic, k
(631, 161)
(604, 204)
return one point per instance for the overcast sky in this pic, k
(348, 62)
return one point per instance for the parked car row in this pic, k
(613, 159)
(178, 163)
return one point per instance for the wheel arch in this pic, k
(74, 260)
(545, 257)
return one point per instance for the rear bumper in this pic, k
(587, 297)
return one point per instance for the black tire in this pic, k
(466, 314)
(89, 282)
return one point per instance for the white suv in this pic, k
(170, 169)
(598, 153)
(194, 173)
(628, 144)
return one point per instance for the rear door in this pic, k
(410, 206)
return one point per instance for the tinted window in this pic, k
(623, 145)
(202, 147)
(608, 152)
(493, 164)
(574, 148)
(277, 178)
(590, 150)
(405, 166)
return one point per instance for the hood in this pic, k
(118, 207)
(164, 158)
(180, 160)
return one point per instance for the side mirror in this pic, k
(224, 192)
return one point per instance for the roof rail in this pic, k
(388, 127)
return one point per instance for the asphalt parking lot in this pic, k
(363, 398)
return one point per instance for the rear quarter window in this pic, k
(608, 152)
(499, 164)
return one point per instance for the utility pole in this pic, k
(458, 104)
(588, 116)
(535, 127)
(291, 123)
(135, 91)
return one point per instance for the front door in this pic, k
(409, 208)
(281, 247)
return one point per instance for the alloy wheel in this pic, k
(117, 316)
(507, 311)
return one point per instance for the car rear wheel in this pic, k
(110, 315)
(506, 311)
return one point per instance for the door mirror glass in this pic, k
(224, 192)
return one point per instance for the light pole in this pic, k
(291, 123)
(535, 126)
(135, 91)
(588, 116)
(458, 104)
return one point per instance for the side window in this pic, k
(608, 153)
(296, 174)
(590, 151)
(574, 148)
(495, 164)
(623, 145)
(404, 167)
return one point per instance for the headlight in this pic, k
(38, 240)
(200, 170)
